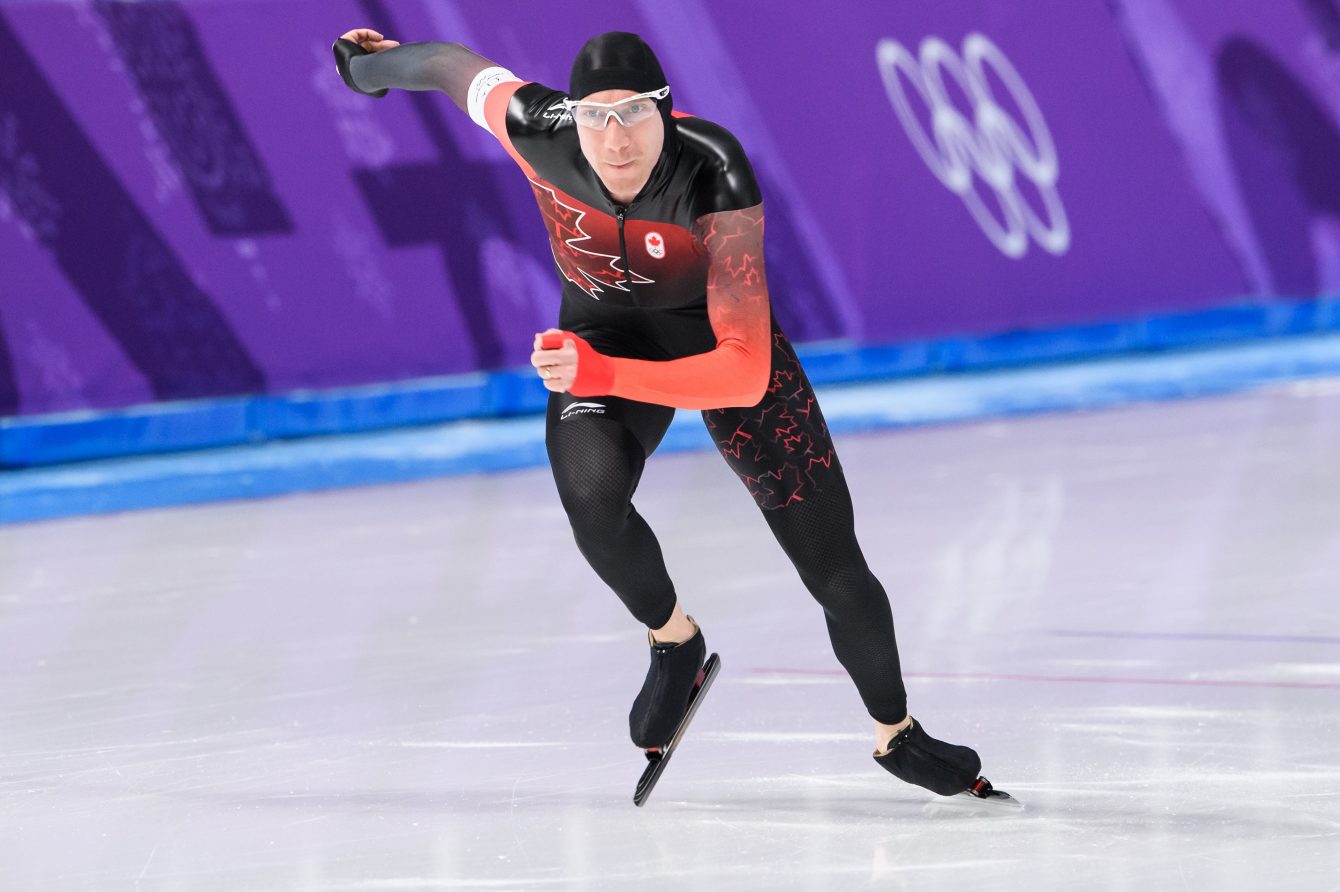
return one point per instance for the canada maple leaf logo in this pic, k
(576, 263)
(656, 245)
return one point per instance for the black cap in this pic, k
(617, 61)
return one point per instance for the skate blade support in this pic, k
(982, 790)
(659, 757)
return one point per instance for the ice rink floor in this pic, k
(1132, 615)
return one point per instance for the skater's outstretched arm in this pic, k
(369, 63)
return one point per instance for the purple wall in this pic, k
(187, 211)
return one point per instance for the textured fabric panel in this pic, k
(597, 461)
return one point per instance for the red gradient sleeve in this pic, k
(495, 113)
(735, 373)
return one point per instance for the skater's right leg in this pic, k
(679, 629)
(597, 450)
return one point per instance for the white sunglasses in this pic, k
(630, 111)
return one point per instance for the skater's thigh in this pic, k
(780, 448)
(598, 445)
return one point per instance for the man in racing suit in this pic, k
(656, 225)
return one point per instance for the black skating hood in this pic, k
(619, 60)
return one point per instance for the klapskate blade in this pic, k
(994, 798)
(656, 765)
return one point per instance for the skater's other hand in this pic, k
(370, 40)
(556, 366)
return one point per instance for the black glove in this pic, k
(344, 51)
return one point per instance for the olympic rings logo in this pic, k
(993, 146)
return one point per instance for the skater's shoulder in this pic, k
(709, 139)
(726, 171)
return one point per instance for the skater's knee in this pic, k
(596, 510)
(594, 495)
(841, 588)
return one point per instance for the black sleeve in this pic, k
(535, 110)
(727, 179)
(448, 67)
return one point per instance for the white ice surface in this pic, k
(1131, 614)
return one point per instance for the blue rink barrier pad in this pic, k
(170, 427)
(471, 445)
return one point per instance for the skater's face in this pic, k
(622, 155)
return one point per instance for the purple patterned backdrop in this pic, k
(192, 204)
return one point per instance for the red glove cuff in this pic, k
(595, 371)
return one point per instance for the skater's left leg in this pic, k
(818, 535)
(782, 451)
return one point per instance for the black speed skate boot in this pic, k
(674, 689)
(945, 768)
(664, 697)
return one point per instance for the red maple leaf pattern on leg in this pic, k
(781, 447)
